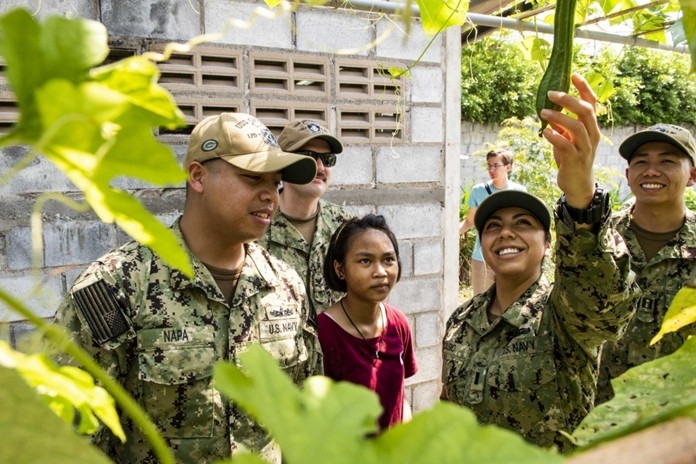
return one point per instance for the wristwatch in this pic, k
(596, 213)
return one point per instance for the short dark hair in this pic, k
(341, 239)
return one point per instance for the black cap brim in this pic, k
(301, 172)
(512, 199)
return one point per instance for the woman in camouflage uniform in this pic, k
(524, 354)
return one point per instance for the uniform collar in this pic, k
(524, 312)
(282, 231)
(257, 271)
(681, 246)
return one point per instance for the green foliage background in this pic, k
(500, 74)
(87, 120)
(652, 87)
(498, 82)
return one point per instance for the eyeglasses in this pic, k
(329, 159)
(494, 166)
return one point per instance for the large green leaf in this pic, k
(449, 433)
(322, 411)
(64, 388)
(62, 59)
(441, 14)
(328, 421)
(95, 124)
(603, 88)
(136, 78)
(681, 312)
(645, 395)
(35, 54)
(31, 433)
(24, 75)
(689, 23)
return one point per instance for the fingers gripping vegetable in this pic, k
(557, 75)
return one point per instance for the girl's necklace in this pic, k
(381, 337)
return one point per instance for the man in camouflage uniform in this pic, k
(524, 354)
(301, 231)
(159, 332)
(660, 232)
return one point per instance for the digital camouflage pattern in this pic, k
(534, 370)
(179, 328)
(284, 241)
(659, 280)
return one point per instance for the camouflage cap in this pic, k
(674, 135)
(299, 132)
(512, 199)
(243, 141)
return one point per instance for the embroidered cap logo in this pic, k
(209, 145)
(313, 127)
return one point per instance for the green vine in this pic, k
(634, 85)
(60, 339)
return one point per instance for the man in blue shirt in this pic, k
(499, 165)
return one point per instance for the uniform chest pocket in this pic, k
(462, 377)
(280, 330)
(455, 359)
(176, 365)
(526, 364)
(176, 385)
(285, 340)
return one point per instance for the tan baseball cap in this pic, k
(674, 135)
(243, 141)
(299, 132)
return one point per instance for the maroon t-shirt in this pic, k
(349, 358)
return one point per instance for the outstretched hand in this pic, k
(574, 141)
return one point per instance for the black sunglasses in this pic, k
(329, 159)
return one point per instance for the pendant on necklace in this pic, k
(381, 337)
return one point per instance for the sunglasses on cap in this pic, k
(329, 159)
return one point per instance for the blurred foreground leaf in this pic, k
(31, 433)
(327, 421)
(95, 124)
(689, 21)
(65, 389)
(645, 395)
(681, 312)
(438, 15)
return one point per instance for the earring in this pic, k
(340, 276)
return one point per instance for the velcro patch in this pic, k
(281, 328)
(102, 312)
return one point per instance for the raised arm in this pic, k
(574, 142)
(594, 286)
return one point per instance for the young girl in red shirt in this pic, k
(365, 340)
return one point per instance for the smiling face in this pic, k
(370, 266)
(322, 180)
(238, 204)
(658, 174)
(514, 244)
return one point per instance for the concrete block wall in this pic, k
(413, 181)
